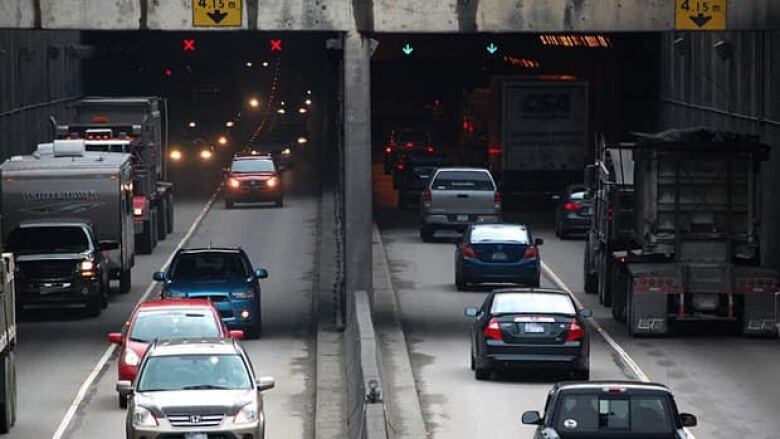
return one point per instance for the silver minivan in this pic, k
(457, 197)
(195, 389)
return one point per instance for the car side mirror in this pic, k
(538, 242)
(471, 311)
(115, 337)
(265, 383)
(108, 245)
(532, 418)
(236, 334)
(688, 420)
(585, 313)
(261, 273)
(159, 276)
(124, 387)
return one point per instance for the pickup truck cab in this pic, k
(60, 264)
(457, 197)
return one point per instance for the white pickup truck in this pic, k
(457, 197)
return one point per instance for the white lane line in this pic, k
(87, 384)
(624, 357)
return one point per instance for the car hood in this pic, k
(226, 402)
(206, 287)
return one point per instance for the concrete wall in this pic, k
(740, 93)
(382, 15)
(39, 74)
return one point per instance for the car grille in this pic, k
(215, 298)
(196, 420)
(253, 184)
(226, 313)
(48, 270)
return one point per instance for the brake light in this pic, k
(409, 144)
(497, 200)
(494, 150)
(388, 150)
(571, 206)
(493, 330)
(427, 198)
(429, 149)
(468, 251)
(575, 332)
(530, 252)
(400, 166)
(609, 212)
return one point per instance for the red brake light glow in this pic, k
(571, 206)
(468, 252)
(427, 198)
(493, 330)
(530, 252)
(429, 149)
(409, 144)
(388, 150)
(575, 332)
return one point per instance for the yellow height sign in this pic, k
(216, 13)
(700, 14)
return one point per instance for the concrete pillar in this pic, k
(358, 218)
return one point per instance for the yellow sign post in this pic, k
(216, 13)
(700, 14)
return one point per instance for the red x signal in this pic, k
(189, 45)
(276, 45)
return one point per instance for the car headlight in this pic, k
(86, 265)
(234, 183)
(286, 151)
(142, 417)
(272, 182)
(247, 414)
(137, 211)
(248, 294)
(131, 358)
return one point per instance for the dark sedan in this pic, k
(529, 327)
(573, 214)
(497, 253)
(610, 409)
(413, 178)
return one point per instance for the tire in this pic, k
(535, 283)
(125, 279)
(460, 283)
(581, 374)
(8, 391)
(426, 233)
(605, 292)
(155, 221)
(162, 220)
(169, 213)
(619, 291)
(481, 374)
(147, 240)
(228, 204)
(122, 400)
(93, 306)
(104, 286)
(473, 363)
(280, 202)
(590, 280)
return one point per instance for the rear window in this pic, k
(610, 414)
(150, 325)
(501, 234)
(257, 165)
(463, 181)
(532, 303)
(48, 240)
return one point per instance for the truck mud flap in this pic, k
(759, 315)
(647, 314)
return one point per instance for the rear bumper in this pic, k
(458, 221)
(569, 225)
(500, 355)
(519, 272)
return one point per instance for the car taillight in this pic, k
(609, 212)
(530, 252)
(429, 149)
(388, 149)
(497, 200)
(409, 144)
(572, 206)
(427, 198)
(493, 330)
(575, 332)
(468, 251)
(399, 166)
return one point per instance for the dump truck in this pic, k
(531, 132)
(676, 232)
(136, 126)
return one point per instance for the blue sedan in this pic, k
(223, 275)
(497, 254)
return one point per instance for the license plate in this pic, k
(196, 436)
(533, 328)
(463, 218)
(499, 256)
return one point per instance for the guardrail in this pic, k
(366, 417)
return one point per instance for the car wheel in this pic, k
(426, 233)
(228, 204)
(473, 365)
(93, 305)
(581, 374)
(124, 281)
(122, 401)
(481, 374)
(104, 294)
(280, 202)
(460, 284)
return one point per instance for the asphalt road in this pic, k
(57, 350)
(731, 383)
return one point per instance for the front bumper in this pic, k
(522, 272)
(254, 193)
(238, 314)
(227, 430)
(457, 221)
(57, 294)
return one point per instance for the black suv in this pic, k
(610, 409)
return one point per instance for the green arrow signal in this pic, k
(408, 49)
(492, 48)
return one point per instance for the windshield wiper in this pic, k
(205, 387)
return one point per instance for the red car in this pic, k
(252, 178)
(166, 318)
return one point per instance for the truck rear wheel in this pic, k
(169, 213)
(620, 286)
(591, 280)
(162, 219)
(605, 293)
(8, 393)
(124, 281)
(148, 241)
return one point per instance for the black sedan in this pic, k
(529, 327)
(610, 409)
(573, 214)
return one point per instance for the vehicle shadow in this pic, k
(523, 376)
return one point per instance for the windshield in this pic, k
(257, 165)
(531, 303)
(499, 233)
(608, 414)
(204, 266)
(463, 181)
(194, 372)
(150, 325)
(48, 240)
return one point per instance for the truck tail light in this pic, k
(497, 200)
(493, 331)
(427, 198)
